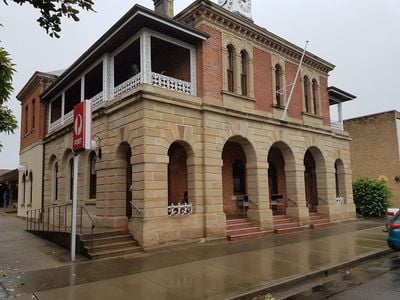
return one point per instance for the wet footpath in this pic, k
(32, 268)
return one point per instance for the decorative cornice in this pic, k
(37, 79)
(204, 9)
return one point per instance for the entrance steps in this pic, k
(318, 221)
(108, 244)
(240, 229)
(283, 224)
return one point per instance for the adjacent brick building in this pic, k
(189, 109)
(375, 149)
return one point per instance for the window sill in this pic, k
(29, 205)
(223, 92)
(312, 115)
(278, 106)
(90, 202)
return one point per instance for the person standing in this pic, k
(5, 198)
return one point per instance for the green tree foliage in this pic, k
(8, 123)
(51, 15)
(371, 196)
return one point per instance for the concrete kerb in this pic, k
(288, 282)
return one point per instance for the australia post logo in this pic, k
(82, 126)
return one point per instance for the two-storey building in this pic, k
(188, 109)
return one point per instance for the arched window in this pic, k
(307, 94)
(315, 95)
(230, 67)
(177, 174)
(93, 178)
(30, 187)
(71, 178)
(278, 85)
(243, 72)
(23, 188)
(239, 177)
(55, 182)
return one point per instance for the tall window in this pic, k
(92, 179)
(230, 67)
(26, 119)
(307, 94)
(71, 178)
(30, 187)
(278, 85)
(33, 113)
(315, 96)
(243, 72)
(238, 171)
(55, 178)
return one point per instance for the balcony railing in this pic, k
(339, 200)
(55, 125)
(179, 209)
(97, 100)
(337, 125)
(128, 85)
(171, 83)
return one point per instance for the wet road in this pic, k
(214, 270)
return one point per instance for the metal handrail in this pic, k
(135, 207)
(83, 208)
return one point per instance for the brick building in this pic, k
(31, 141)
(188, 109)
(375, 149)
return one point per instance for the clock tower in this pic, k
(240, 7)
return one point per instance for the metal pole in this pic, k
(74, 207)
(294, 83)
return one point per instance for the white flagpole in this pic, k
(294, 83)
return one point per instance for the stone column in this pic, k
(295, 187)
(257, 188)
(250, 79)
(326, 192)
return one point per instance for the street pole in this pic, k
(74, 207)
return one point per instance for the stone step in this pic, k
(101, 234)
(109, 240)
(286, 225)
(282, 221)
(243, 230)
(317, 221)
(291, 229)
(238, 225)
(235, 221)
(278, 217)
(317, 217)
(244, 236)
(313, 214)
(111, 246)
(114, 253)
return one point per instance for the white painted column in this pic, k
(340, 114)
(145, 57)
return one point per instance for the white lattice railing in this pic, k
(69, 117)
(128, 85)
(339, 200)
(337, 125)
(179, 209)
(97, 100)
(55, 125)
(171, 83)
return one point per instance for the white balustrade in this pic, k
(171, 83)
(55, 125)
(339, 200)
(68, 117)
(179, 209)
(128, 85)
(97, 100)
(337, 125)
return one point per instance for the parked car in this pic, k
(393, 230)
(391, 212)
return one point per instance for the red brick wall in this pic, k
(209, 65)
(324, 100)
(231, 152)
(177, 174)
(296, 105)
(33, 135)
(262, 80)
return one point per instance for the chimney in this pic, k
(164, 7)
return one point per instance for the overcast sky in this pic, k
(360, 37)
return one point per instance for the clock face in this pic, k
(245, 5)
